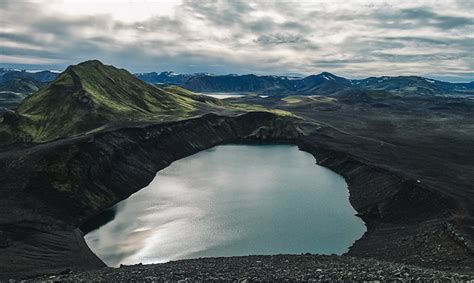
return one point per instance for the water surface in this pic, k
(232, 200)
(223, 95)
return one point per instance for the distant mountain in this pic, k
(163, 78)
(39, 76)
(91, 95)
(21, 85)
(236, 83)
(24, 81)
(270, 85)
(414, 85)
(324, 83)
(321, 84)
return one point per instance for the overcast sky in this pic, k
(349, 38)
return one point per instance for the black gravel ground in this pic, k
(265, 268)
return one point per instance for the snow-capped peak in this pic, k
(327, 76)
(328, 79)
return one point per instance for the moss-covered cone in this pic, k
(91, 95)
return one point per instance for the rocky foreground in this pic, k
(265, 268)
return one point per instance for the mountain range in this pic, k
(24, 81)
(322, 84)
(325, 83)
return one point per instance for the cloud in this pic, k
(423, 17)
(280, 39)
(351, 38)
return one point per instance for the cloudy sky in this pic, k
(349, 38)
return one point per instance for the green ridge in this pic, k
(90, 95)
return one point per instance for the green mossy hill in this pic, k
(91, 95)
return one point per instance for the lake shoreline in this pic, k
(231, 200)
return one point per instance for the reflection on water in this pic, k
(232, 200)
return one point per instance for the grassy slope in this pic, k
(90, 95)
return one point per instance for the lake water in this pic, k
(222, 95)
(232, 200)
